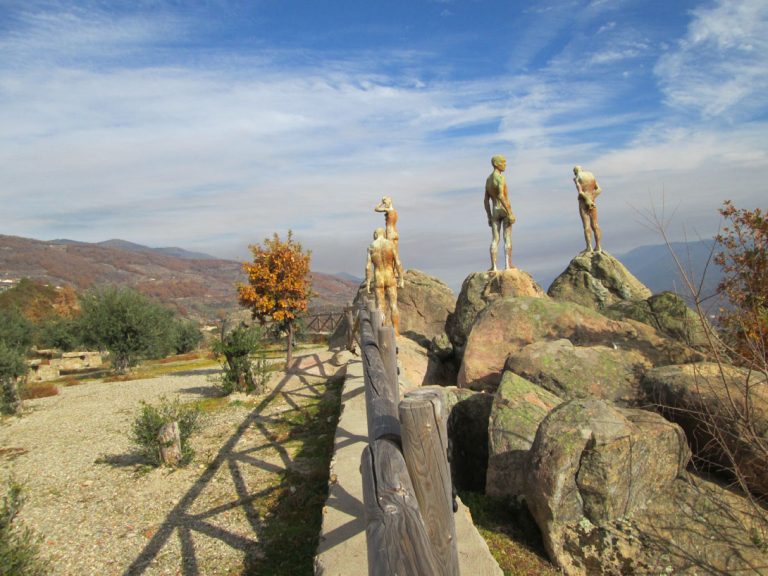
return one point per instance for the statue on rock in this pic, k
(386, 272)
(499, 211)
(390, 219)
(589, 190)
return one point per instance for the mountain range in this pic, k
(195, 284)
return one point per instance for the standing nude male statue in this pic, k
(499, 211)
(386, 272)
(589, 190)
(390, 219)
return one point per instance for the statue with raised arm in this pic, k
(390, 219)
(498, 210)
(385, 271)
(589, 190)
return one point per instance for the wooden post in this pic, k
(381, 394)
(396, 534)
(377, 319)
(169, 438)
(425, 447)
(349, 314)
(388, 348)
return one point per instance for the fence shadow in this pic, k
(187, 522)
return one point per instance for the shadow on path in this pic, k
(295, 388)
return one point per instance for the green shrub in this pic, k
(151, 419)
(127, 324)
(12, 368)
(240, 373)
(18, 544)
(186, 336)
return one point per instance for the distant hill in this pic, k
(655, 267)
(133, 247)
(197, 285)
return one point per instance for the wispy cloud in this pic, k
(114, 124)
(720, 67)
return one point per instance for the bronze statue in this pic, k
(498, 210)
(386, 272)
(390, 219)
(589, 190)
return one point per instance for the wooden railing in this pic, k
(323, 322)
(407, 488)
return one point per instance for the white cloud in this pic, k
(721, 66)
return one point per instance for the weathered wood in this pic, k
(169, 438)
(376, 318)
(388, 349)
(381, 396)
(396, 534)
(349, 314)
(425, 447)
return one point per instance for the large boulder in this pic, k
(592, 463)
(724, 412)
(424, 303)
(518, 408)
(668, 313)
(597, 280)
(606, 372)
(419, 366)
(480, 289)
(507, 325)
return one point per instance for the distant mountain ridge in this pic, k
(196, 284)
(655, 267)
(133, 247)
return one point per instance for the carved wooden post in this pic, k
(425, 447)
(395, 532)
(169, 438)
(388, 348)
(381, 394)
(349, 314)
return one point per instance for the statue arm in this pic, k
(487, 204)
(368, 272)
(399, 269)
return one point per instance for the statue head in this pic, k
(378, 233)
(386, 201)
(576, 169)
(499, 162)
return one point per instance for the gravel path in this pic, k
(100, 512)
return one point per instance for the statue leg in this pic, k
(596, 228)
(394, 313)
(508, 243)
(495, 225)
(381, 302)
(587, 229)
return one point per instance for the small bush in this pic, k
(240, 374)
(12, 370)
(151, 419)
(18, 544)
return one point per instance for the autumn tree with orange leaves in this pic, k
(278, 284)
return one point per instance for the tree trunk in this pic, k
(169, 438)
(289, 355)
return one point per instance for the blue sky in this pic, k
(210, 125)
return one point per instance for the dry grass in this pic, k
(39, 390)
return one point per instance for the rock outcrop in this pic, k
(592, 464)
(507, 325)
(518, 408)
(606, 372)
(480, 289)
(668, 313)
(722, 412)
(425, 303)
(468, 436)
(597, 280)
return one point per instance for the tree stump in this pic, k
(169, 438)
